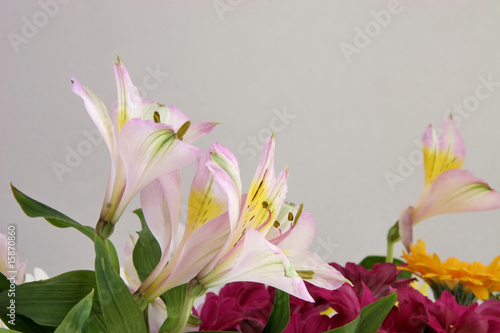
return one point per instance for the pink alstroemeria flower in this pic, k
(448, 189)
(232, 237)
(145, 140)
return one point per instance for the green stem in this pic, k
(392, 238)
(145, 313)
(186, 312)
(390, 252)
(141, 301)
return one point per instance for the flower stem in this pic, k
(186, 312)
(392, 238)
(194, 290)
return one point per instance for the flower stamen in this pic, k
(156, 117)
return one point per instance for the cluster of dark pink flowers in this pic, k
(245, 306)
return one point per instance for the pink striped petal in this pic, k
(198, 250)
(299, 237)
(199, 130)
(405, 225)
(444, 153)
(169, 115)
(161, 205)
(224, 168)
(99, 114)
(129, 100)
(149, 150)
(207, 199)
(314, 270)
(263, 262)
(456, 191)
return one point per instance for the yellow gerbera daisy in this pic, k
(460, 278)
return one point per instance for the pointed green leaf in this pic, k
(25, 325)
(47, 302)
(174, 301)
(76, 317)
(119, 308)
(370, 318)
(280, 314)
(94, 324)
(34, 208)
(147, 251)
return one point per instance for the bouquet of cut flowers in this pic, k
(250, 242)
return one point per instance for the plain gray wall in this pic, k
(351, 118)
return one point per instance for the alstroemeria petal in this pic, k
(169, 115)
(193, 257)
(263, 178)
(97, 111)
(161, 204)
(157, 313)
(196, 131)
(405, 225)
(99, 114)
(129, 100)
(224, 168)
(149, 150)
(127, 270)
(207, 199)
(445, 153)
(300, 236)
(263, 262)
(314, 270)
(456, 191)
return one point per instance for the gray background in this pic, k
(352, 122)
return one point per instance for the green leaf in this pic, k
(147, 251)
(25, 324)
(174, 301)
(34, 208)
(119, 308)
(369, 261)
(370, 318)
(94, 324)
(280, 314)
(76, 317)
(4, 282)
(47, 302)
